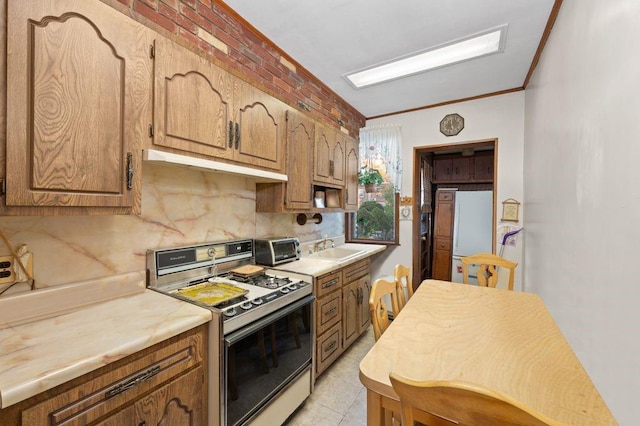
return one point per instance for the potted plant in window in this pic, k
(370, 178)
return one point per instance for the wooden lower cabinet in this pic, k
(161, 385)
(443, 235)
(342, 311)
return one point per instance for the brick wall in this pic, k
(211, 28)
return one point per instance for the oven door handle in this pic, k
(238, 335)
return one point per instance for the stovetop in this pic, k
(172, 270)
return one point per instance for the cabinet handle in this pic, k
(237, 135)
(331, 311)
(132, 382)
(331, 346)
(330, 283)
(129, 171)
(230, 134)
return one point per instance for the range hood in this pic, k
(170, 159)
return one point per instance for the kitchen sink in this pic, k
(337, 253)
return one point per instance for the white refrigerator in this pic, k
(472, 229)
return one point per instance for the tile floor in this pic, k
(339, 399)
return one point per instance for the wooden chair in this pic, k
(487, 272)
(402, 277)
(378, 308)
(452, 402)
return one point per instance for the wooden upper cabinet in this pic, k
(192, 102)
(459, 169)
(78, 97)
(330, 150)
(259, 130)
(483, 167)
(300, 136)
(351, 175)
(202, 109)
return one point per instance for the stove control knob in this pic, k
(293, 286)
(284, 290)
(246, 306)
(230, 312)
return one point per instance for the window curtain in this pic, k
(380, 149)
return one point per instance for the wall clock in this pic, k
(451, 124)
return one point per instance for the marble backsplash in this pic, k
(179, 206)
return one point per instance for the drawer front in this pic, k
(445, 195)
(442, 244)
(117, 387)
(329, 312)
(328, 283)
(357, 270)
(329, 348)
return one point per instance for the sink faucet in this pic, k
(322, 245)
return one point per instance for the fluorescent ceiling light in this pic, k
(461, 50)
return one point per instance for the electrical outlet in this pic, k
(6, 270)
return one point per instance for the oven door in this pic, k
(261, 359)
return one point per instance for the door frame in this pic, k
(416, 196)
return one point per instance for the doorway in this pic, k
(469, 166)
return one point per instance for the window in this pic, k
(379, 181)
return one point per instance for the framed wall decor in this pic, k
(510, 210)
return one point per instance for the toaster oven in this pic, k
(274, 251)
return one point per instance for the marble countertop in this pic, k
(316, 266)
(39, 355)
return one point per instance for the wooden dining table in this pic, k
(503, 340)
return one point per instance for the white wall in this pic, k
(500, 117)
(581, 175)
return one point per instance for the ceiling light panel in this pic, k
(475, 46)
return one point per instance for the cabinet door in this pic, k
(78, 95)
(300, 131)
(324, 142)
(192, 102)
(442, 169)
(337, 163)
(259, 135)
(350, 309)
(460, 169)
(351, 176)
(178, 403)
(443, 235)
(483, 168)
(364, 317)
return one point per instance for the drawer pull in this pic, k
(330, 283)
(132, 382)
(331, 346)
(331, 311)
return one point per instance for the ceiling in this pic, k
(334, 37)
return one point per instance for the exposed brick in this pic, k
(195, 18)
(190, 3)
(212, 41)
(151, 3)
(173, 4)
(167, 11)
(186, 34)
(187, 24)
(208, 14)
(211, 30)
(151, 14)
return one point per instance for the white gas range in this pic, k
(262, 324)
